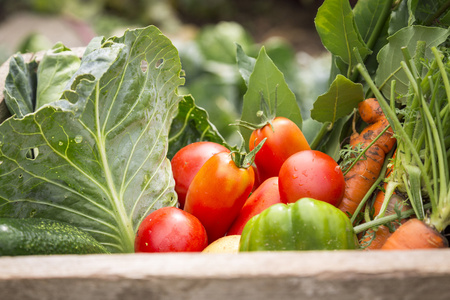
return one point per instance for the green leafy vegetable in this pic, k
(54, 71)
(20, 87)
(101, 165)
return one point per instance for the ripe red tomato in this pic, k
(218, 192)
(266, 195)
(283, 140)
(170, 229)
(186, 163)
(311, 174)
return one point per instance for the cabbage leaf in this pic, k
(96, 158)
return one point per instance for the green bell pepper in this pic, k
(307, 224)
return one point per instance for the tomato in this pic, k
(283, 140)
(258, 178)
(307, 224)
(313, 174)
(170, 229)
(263, 197)
(218, 192)
(186, 163)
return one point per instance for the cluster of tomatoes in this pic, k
(219, 191)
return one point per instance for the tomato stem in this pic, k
(266, 114)
(243, 159)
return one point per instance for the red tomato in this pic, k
(282, 141)
(311, 174)
(218, 192)
(170, 229)
(186, 163)
(266, 195)
(257, 178)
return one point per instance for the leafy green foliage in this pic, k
(266, 83)
(391, 55)
(191, 125)
(97, 158)
(246, 64)
(429, 12)
(20, 86)
(367, 14)
(54, 71)
(340, 100)
(336, 27)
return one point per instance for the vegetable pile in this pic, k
(107, 148)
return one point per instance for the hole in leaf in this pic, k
(159, 63)
(32, 153)
(144, 65)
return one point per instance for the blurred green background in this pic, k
(204, 32)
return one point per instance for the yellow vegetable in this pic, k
(226, 244)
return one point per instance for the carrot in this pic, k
(421, 166)
(415, 234)
(366, 171)
(370, 111)
(375, 238)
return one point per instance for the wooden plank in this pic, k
(316, 275)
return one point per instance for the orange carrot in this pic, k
(415, 234)
(376, 237)
(370, 110)
(366, 171)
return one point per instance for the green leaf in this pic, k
(429, 12)
(399, 17)
(20, 86)
(339, 101)
(390, 56)
(246, 64)
(310, 129)
(191, 125)
(367, 13)
(266, 81)
(94, 64)
(54, 72)
(332, 141)
(445, 20)
(336, 27)
(105, 170)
